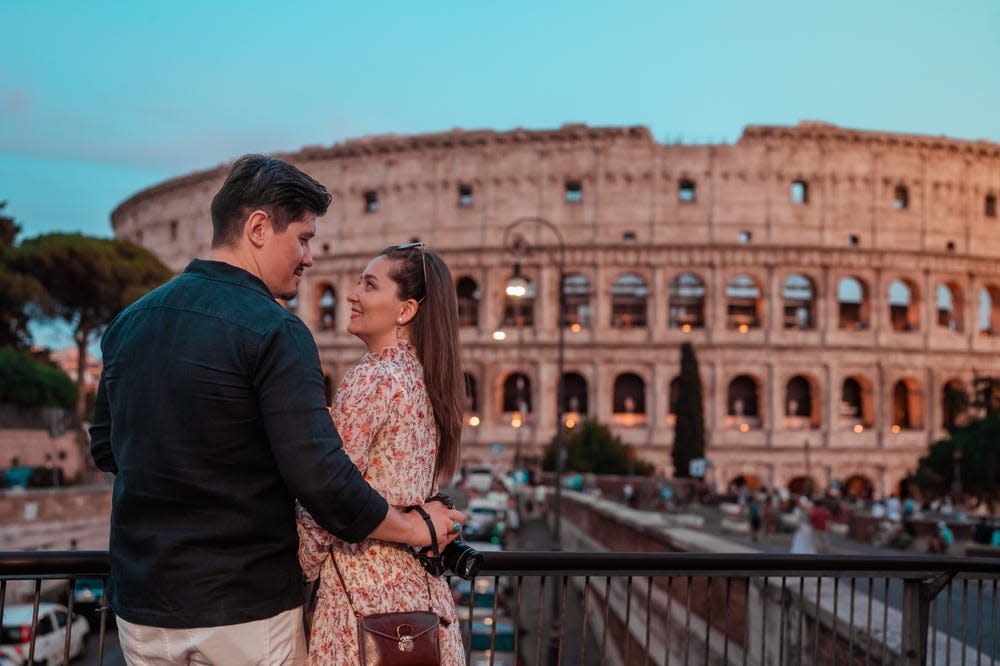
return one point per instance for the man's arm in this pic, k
(410, 528)
(100, 431)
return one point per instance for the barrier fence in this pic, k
(661, 608)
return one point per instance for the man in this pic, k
(211, 414)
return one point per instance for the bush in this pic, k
(26, 382)
(591, 448)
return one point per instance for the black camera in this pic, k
(458, 557)
(462, 559)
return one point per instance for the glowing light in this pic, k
(499, 335)
(686, 328)
(570, 423)
(474, 421)
(575, 327)
(895, 428)
(516, 290)
(516, 421)
(744, 427)
(859, 428)
(744, 328)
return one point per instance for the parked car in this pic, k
(50, 636)
(479, 479)
(485, 521)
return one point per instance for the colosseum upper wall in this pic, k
(835, 283)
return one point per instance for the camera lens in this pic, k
(463, 560)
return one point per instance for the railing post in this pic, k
(916, 613)
(917, 598)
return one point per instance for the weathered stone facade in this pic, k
(834, 282)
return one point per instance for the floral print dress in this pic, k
(384, 417)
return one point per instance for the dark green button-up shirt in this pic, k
(211, 414)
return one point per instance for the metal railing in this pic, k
(686, 608)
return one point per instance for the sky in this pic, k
(101, 99)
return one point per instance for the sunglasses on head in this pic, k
(423, 260)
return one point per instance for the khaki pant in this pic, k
(275, 641)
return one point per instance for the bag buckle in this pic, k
(404, 634)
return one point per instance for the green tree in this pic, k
(591, 448)
(972, 451)
(689, 428)
(27, 382)
(87, 282)
(16, 289)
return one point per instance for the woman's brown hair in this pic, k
(434, 336)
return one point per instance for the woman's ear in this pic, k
(407, 311)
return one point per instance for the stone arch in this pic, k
(799, 302)
(858, 485)
(802, 403)
(803, 485)
(950, 306)
(743, 402)
(686, 306)
(856, 403)
(907, 405)
(516, 393)
(629, 294)
(575, 394)
(630, 394)
(577, 308)
(326, 307)
(468, 294)
(519, 308)
(904, 305)
(744, 303)
(854, 304)
(989, 310)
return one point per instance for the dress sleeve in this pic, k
(314, 543)
(361, 409)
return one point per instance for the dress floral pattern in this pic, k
(384, 416)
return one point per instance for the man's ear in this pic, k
(256, 228)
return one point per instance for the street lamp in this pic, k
(514, 242)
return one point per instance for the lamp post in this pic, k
(515, 242)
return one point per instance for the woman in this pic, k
(399, 412)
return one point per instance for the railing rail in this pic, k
(684, 608)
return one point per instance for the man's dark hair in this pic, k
(269, 184)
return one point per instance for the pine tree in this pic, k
(689, 428)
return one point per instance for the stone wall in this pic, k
(25, 507)
(813, 200)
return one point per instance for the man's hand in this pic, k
(410, 528)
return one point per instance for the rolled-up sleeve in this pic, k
(305, 444)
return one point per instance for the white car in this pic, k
(479, 479)
(50, 639)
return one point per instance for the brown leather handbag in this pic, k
(407, 638)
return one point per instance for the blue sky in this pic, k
(100, 99)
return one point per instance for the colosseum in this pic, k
(836, 284)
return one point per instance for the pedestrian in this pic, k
(755, 515)
(211, 414)
(399, 410)
(803, 541)
(819, 520)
